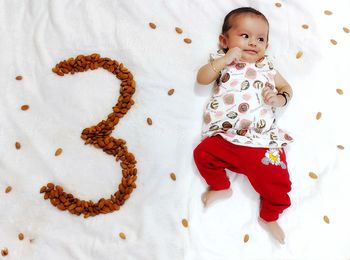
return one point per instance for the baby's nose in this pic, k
(252, 43)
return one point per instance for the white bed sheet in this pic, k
(35, 35)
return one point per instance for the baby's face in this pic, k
(249, 33)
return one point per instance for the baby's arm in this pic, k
(283, 96)
(209, 72)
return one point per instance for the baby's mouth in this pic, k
(251, 52)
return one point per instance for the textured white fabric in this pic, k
(35, 35)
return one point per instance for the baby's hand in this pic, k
(233, 55)
(270, 97)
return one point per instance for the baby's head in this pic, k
(247, 29)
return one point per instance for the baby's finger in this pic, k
(265, 93)
(269, 97)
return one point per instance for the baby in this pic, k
(239, 130)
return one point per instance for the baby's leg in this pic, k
(210, 196)
(211, 157)
(274, 229)
(273, 184)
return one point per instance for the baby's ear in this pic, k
(223, 41)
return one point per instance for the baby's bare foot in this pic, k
(210, 196)
(274, 229)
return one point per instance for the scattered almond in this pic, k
(340, 91)
(305, 26)
(19, 77)
(18, 145)
(24, 107)
(327, 12)
(340, 147)
(149, 121)
(246, 238)
(152, 25)
(171, 91)
(20, 236)
(8, 189)
(184, 222)
(178, 30)
(122, 235)
(334, 42)
(58, 152)
(173, 176)
(278, 4)
(326, 219)
(299, 54)
(313, 175)
(346, 30)
(4, 251)
(187, 40)
(318, 115)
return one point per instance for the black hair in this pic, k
(242, 10)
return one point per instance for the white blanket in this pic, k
(35, 35)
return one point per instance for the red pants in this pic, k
(270, 180)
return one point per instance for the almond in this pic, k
(149, 121)
(313, 175)
(122, 235)
(278, 4)
(339, 91)
(18, 145)
(334, 42)
(4, 251)
(327, 12)
(346, 30)
(318, 115)
(19, 77)
(187, 40)
(178, 30)
(8, 189)
(246, 238)
(58, 152)
(20, 236)
(171, 91)
(173, 176)
(184, 222)
(152, 25)
(299, 54)
(326, 219)
(340, 147)
(305, 26)
(24, 107)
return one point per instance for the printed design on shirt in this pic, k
(214, 104)
(245, 85)
(231, 114)
(226, 125)
(240, 66)
(272, 156)
(258, 84)
(236, 110)
(228, 99)
(250, 74)
(225, 78)
(243, 107)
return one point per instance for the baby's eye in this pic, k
(261, 39)
(244, 35)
